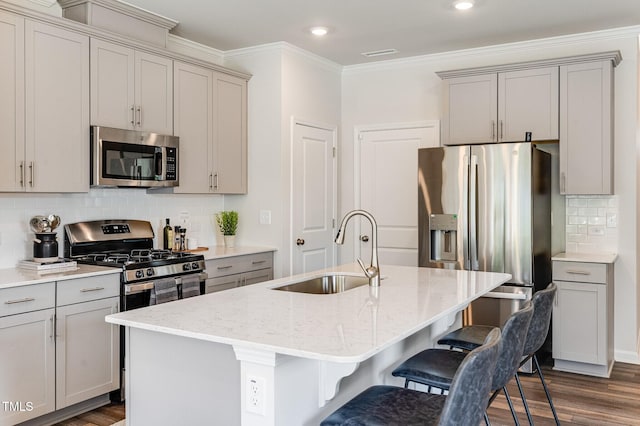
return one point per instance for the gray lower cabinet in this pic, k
(52, 357)
(236, 271)
(583, 318)
(27, 352)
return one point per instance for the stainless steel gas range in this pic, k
(148, 276)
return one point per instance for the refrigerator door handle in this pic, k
(473, 213)
(464, 224)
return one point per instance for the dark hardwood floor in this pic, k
(579, 400)
(103, 416)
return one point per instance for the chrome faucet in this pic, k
(372, 271)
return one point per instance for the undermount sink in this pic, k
(326, 284)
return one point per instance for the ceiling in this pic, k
(413, 27)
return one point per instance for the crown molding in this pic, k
(531, 45)
(195, 46)
(45, 3)
(127, 9)
(613, 56)
(281, 47)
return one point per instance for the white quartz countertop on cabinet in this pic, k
(219, 252)
(342, 327)
(14, 277)
(586, 257)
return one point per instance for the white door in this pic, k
(313, 198)
(389, 189)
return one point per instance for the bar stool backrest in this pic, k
(470, 389)
(539, 327)
(514, 333)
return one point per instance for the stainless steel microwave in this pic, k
(130, 158)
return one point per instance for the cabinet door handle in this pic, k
(257, 262)
(215, 181)
(210, 180)
(578, 272)
(225, 267)
(22, 174)
(52, 326)
(26, 299)
(85, 290)
(501, 129)
(139, 114)
(133, 115)
(493, 130)
(31, 166)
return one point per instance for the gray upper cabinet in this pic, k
(131, 89)
(210, 116)
(230, 137)
(567, 99)
(44, 120)
(193, 124)
(501, 107)
(586, 123)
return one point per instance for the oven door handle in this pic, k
(138, 287)
(508, 296)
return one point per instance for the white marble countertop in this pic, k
(586, 257)
(343, 327)
(219, 252)
(14, 277)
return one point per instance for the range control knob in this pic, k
(139, 274)
(194, 266)
(186, 267)
(150, 272)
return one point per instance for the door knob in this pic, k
(300, 242)
(364, 238)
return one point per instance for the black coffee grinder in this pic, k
(45, 244)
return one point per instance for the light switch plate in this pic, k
(265, 217)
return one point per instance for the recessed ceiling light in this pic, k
(463, 4)
(319, 31)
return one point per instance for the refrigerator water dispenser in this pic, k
(443, 229)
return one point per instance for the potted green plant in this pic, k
(227, 221)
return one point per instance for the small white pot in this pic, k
(230, 241)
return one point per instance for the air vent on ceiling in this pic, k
(379, 52)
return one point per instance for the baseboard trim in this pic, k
(628, 357)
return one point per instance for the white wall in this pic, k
(409, 90)
(101, 203)
(286, 82)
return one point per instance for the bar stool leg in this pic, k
(524, 399)
(546, 391)
(513, 411)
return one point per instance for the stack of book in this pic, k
(60, 265)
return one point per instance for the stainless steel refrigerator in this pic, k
(488, 208)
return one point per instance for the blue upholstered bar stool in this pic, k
(390, 405)
(472, 336)
(437, 367)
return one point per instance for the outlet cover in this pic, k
(255, 394)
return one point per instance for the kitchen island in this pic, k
(257, 356)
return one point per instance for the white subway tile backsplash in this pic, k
(576, 220)
(596, 230)
(576, 202)
(597, 202)
(591, 224)
(587, 211)
(100, 203)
